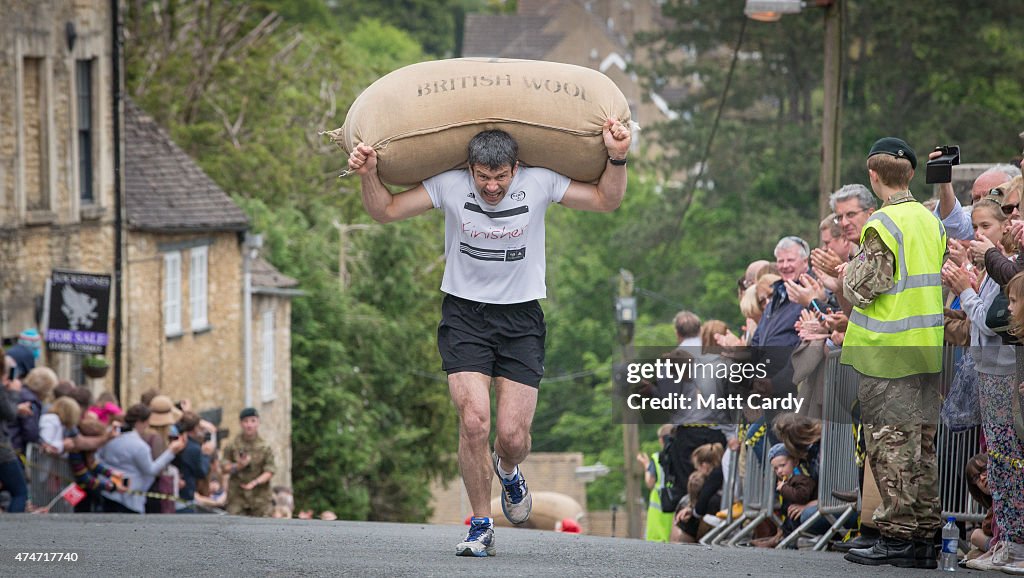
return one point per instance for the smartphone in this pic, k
(12, 374)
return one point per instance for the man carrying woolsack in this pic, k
(492, 326)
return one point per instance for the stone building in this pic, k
(204, 316)
(56, 154)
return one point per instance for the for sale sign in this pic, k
(79, 304)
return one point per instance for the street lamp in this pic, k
(772, 11)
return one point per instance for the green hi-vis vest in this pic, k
(900, 332)
(655, 499)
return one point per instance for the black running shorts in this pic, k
(495, 340)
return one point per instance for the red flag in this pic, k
(73, 494)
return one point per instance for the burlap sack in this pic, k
(420, 118)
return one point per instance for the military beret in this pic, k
(248, 412)
(895, 147)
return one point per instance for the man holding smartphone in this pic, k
(250, 462)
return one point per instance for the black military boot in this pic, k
(924, 551)
(893, 551)
(868, 537)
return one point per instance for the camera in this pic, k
(940, 169)
(207, 437)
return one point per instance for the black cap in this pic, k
(248, 412)
(895, 147)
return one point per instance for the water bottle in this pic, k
(950, 541)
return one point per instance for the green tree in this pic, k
(245, 91)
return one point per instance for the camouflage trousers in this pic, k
(258, 504)
(900, 422)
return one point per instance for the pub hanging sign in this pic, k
(78, 305)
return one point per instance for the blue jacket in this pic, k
(193, 465)
(776, 326)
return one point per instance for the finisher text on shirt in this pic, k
(495, 254)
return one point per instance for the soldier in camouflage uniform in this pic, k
(250, 462)
(894, 341)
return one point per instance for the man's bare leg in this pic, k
(471, 395)
(516, 406)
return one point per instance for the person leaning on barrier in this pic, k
(894, 341)
(129, 454)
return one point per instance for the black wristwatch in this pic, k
(617, 162)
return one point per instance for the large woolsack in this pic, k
(420, 118)
(549, 508)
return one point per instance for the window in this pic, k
(267, 357)
(83, 82)
(197, 287)
(172, 293)
(34, 125)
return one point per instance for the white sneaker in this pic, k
(712, 520)
(479, 541)
(985, 562)
(516, 501)
(1015, 559)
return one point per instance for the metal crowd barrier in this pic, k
(758, 495)
(953, 450)
(48, 475)
(837, 469)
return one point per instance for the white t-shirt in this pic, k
(51, 431)
(495, 254)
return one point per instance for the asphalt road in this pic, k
(208, 545)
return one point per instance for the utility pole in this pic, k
(343, 229)
(625, 315)
(832, 114)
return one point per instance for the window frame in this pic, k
(172, 293)
(198, 288)
(268, 355)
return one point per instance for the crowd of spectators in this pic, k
(797, 310)
(155, 456)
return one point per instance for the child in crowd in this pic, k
(284, 502)
(105, 407)
(707, 462)
(1003, 424)
(217, 497)
(91, 475)
(976, 472)
(62, 417)
(794, 487)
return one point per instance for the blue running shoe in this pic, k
(479, 541)
(516, 501)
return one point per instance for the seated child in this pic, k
(976, 472)
(707, 476)
(796, 489)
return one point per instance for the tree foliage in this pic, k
(244, 91)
